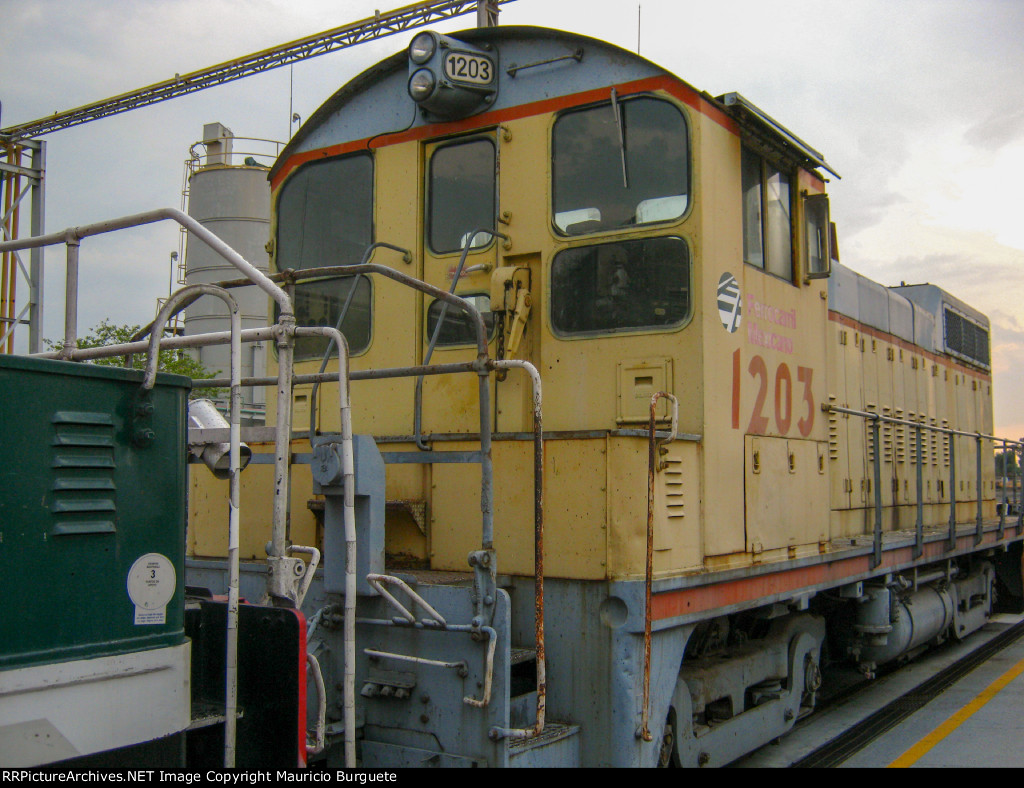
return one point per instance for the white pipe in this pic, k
(375, 654)
(142, 345)
(231, 655)
(349, 517)
(492, 642)
(284, 337)
(135, 220)
(376, 582)
(538, 588)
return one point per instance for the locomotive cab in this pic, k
(602, 232)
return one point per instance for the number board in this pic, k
(464, 67)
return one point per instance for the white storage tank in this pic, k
(232, 200)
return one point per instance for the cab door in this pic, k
(460, 208)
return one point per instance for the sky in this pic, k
(918, 104)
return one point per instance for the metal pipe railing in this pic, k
(480, 366)
(461, 667)
(171, 343)
(876, 420)
(538, 547)
(377, 582)
(282, 332)
(643, 732)
(320, 735)
(349, 520)
(72, 236)
(234, 469)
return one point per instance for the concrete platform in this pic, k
(977, 722)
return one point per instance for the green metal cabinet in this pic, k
(92, 511)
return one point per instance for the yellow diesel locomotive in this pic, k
(822, 485)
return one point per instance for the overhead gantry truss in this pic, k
(377, 26)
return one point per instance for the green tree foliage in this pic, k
(1006, 464)
(175, 361)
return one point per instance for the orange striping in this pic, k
(667, 83)
(700, 599)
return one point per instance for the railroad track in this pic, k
(860, 734)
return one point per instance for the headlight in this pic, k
(422, 48)
(421, 84)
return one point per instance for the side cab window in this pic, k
(325, 218)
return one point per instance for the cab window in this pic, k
(619, 164)
(625, 286)
(458, 328)
(461, 195)
(325, 218)
(767, 216)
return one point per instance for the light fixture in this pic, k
(422, 48)
(421, 84)
(451, 79)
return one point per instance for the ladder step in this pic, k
(519, 655)
(558, 745)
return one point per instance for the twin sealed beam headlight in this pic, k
(451, 79)
(422, 48)
(421, 84)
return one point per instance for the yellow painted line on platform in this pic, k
(919, 750)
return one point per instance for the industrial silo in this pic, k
(233, 202)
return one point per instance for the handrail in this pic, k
(193, 162)
(284, 333)
(828, 408)
(377, 582)
(481, 366)
(72, 237)
(876, 420)
(644, 732)
(538, 548)
(461, 667)
(349, 523)
(234, 469)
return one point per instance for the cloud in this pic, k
(999, 129)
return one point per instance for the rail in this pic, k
(227, 158)
(284, 333)
(234, 469)
(149, 378)
(449, 299)
(653, 444)
(877, 419)
(482, 367)
(460, 667)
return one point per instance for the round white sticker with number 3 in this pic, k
(151, 581)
